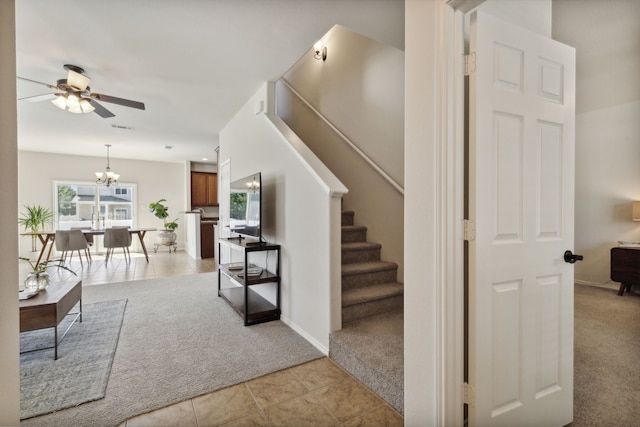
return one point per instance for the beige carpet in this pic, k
(607, 358)
(179, 340)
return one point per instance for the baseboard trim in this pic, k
(607, 285)
(305, 335)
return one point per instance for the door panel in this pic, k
(521, 144)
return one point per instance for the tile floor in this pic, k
(318, 393)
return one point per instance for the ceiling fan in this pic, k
(74, 94)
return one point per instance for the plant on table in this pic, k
(35, 219)
(39, 279)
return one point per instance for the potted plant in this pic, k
(167, 236)
(38, 279)
(35, 219)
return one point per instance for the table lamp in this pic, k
(635, 211)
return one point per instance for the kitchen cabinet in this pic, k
(204, 189)
(207, 239)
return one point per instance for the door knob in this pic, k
(571, 258)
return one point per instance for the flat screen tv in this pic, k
(245, 213)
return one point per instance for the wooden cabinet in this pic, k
(625, 267)
(204, 189)
(207, 239)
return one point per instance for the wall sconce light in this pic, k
(321, 51)
(635, 211)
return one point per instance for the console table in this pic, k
(49, 307)
(255, 297)
(625, 267)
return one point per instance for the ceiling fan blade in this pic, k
(38, 98)
(40, 83)
(100, 110)
(119, 101)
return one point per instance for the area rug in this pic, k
(179, 340)
(85, 356)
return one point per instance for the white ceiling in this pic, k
(606, 35)
(193, 63)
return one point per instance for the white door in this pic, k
(521, 180)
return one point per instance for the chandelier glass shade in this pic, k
(73, 103)
(107, 177)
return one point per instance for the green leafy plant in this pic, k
(43, 265)
(160, 210)
(35, 219)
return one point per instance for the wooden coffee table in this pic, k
(49, 307)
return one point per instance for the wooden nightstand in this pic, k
(625, 267)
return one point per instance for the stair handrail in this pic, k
(351, 144)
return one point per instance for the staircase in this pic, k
(370, 344)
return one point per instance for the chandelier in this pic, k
(107, 177)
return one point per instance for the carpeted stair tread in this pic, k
(353, 233)
(354, 228)
(367, 267)
(356, 252)
(371, 293)
(359, 246)
(372, 349)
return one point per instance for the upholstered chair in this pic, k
(117, 237)
(68, 241)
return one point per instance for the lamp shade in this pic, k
(635, 211)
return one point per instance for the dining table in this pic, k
(47, 238)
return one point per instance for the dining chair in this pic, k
(117, 237)
(68, 241)
(88, 237)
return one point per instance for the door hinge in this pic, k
(469, 63)
(469, 230)
(469, 395)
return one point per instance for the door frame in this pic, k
(434, 249)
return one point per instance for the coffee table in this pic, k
(50, 307)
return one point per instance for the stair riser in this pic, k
(370, 308)
(347, 218)
(362, 255)
(354, 236)
(369, 278)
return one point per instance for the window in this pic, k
(77, 205)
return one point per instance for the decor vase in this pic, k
(166, 238)
(37, 281)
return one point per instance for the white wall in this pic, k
(360, 90)
(298, 213)
(606, 36)
(9, 325)
(155, 180)
(607, 183)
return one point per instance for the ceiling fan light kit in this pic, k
(73, 103)
(75, 96)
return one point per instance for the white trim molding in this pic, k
(434, 201)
